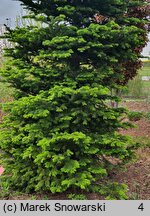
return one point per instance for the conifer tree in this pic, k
(60, 131)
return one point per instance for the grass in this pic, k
(137, 88)
(145, 71)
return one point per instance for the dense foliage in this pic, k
(60, 132)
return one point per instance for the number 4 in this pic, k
(141, 207)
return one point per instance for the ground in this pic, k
(137, 175)
(142, 127)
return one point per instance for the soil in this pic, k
(141, 106)
(135, 175)
(142, 127)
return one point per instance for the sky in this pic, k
(9, 9)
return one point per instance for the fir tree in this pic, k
(60, 131)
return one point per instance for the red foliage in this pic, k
(131, 68)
